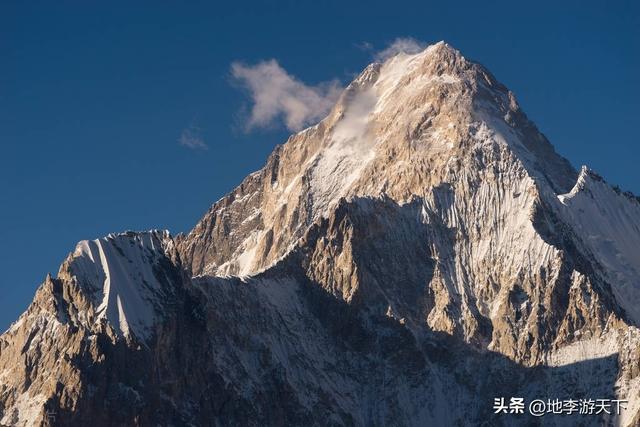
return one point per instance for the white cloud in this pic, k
(278, 95)
(191, 138)
(401, 44)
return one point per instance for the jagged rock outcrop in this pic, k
(417, 253)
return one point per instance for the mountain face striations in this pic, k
(416, 254)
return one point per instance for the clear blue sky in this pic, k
(94, 96)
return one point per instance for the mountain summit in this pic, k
(416, 254)
(400, 128)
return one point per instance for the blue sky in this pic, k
(96, 96)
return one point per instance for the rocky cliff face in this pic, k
(420, 251)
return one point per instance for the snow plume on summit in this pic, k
(407, 45)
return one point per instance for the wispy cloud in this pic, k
(401, 44)
(364, 46)
(191, 137)
(277, 95)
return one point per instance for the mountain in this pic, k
(418, 253)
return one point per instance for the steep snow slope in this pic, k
(608, 223)
(124, 276)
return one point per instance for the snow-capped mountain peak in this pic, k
(401, 127)
(418, 252)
